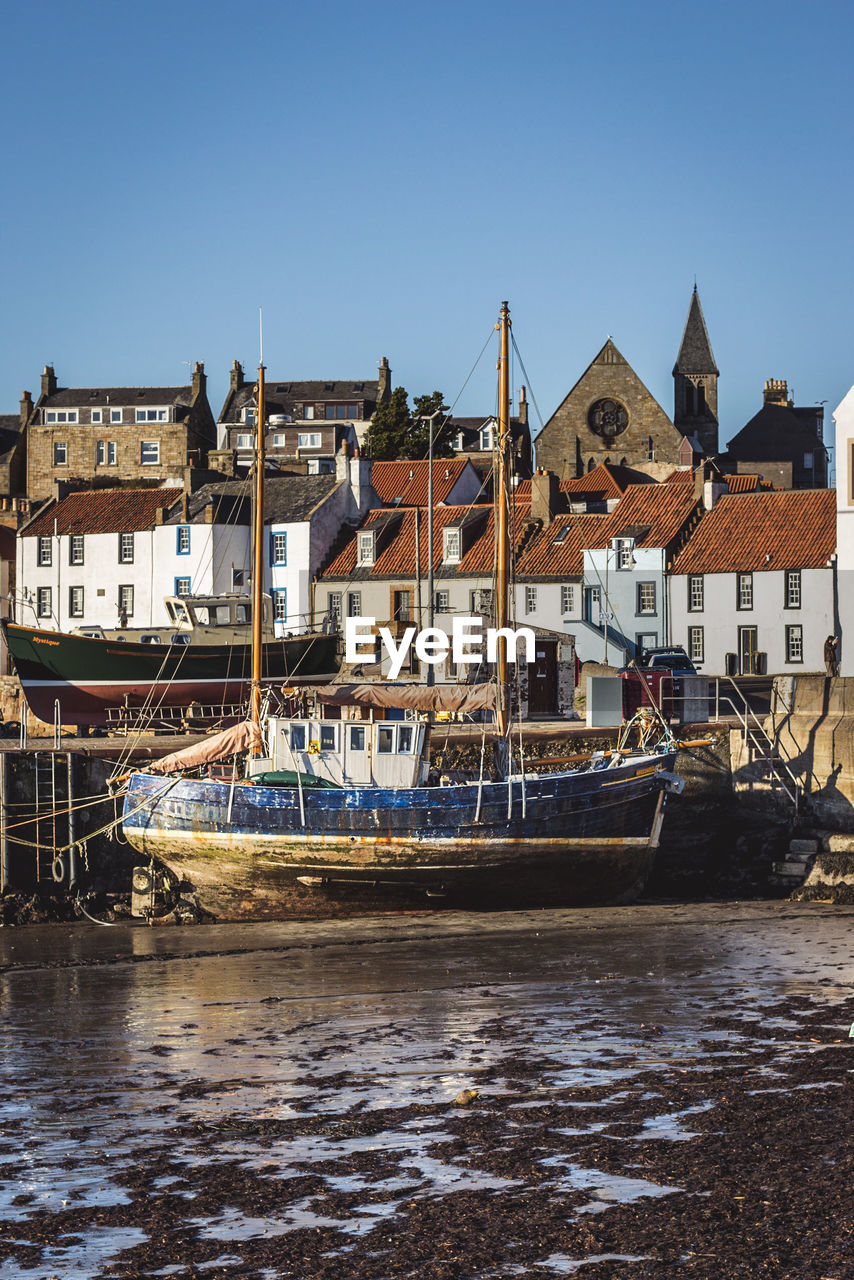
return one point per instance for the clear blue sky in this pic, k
(379, 176)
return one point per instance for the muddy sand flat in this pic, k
(639, 1092)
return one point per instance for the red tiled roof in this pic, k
(408, 480)
(683, 475)
(604, 481)
(745, 482)
(661, 510)
(103, 511)
(790, 529)
(545, 556)
(396, 555)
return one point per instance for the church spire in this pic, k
(695, 353)
(695, 381)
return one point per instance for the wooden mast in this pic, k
(258, 558)
(502, 576)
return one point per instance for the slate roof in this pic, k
(97, 397)
(396, 556)
(286, 499)
(408, 480)
(280, 397)
(789, 529)
(10, 430)
(776, 431)
(102, 511)
(695, 351)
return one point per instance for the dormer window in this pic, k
(247, 415)
(452, 546)
(152, 415)
(486, 437)
(625, 548)
(61, 415)
(367, 547)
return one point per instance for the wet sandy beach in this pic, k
(643, 1092)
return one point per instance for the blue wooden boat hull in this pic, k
(572, 838)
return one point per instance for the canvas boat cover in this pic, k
(458, 698)
(240, 737)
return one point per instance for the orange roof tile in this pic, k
(790, 529)
(408, 480)
(558, 549)
(396, 554)
(102, 511)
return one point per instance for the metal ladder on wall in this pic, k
(762, 746)
(45, 833)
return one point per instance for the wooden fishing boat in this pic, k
(502, 834)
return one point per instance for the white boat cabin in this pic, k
(370, 753)
(223, 619)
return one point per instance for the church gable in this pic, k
(609, 415)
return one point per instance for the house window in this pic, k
(340, 411)
(280, 605)
(60, 453)
(248, 416)
(319, 466)
(486, 438)
(44, 608)
(62, 415)
(44, 550)
(480, 601)
(75, 602)
(244, 440)
(308, 439)
(793, 589)
(149, 453)
(333, 608)
(452, 546)
(126, 600)
(443, 602)
(530, 599)
(183, 546)
(795, 643)
(279, 440)
(401, 606)
(625, 554)
(354, 604)
(182, 586)
(696, 593)
(562, 535)
(115, 415)
(278, 548)
(107, 453)
(744, 591)
(646, 597)
(366, 548)
(567, 597)
(125, 548)
(75, 549)
(151, 415)
(96, 416)
(696, 644)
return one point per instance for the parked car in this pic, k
(669, 658)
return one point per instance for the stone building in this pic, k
(611, 416)
(307, 422)
(783, 442)
(104, 435)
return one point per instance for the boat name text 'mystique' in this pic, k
(432, 644)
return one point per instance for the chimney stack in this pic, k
(237, 380)
(199, 380)
(26, 408)
(545, 495)
(384, 382)
(777, 392)
(48, 381)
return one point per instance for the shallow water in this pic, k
(233, 1087)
